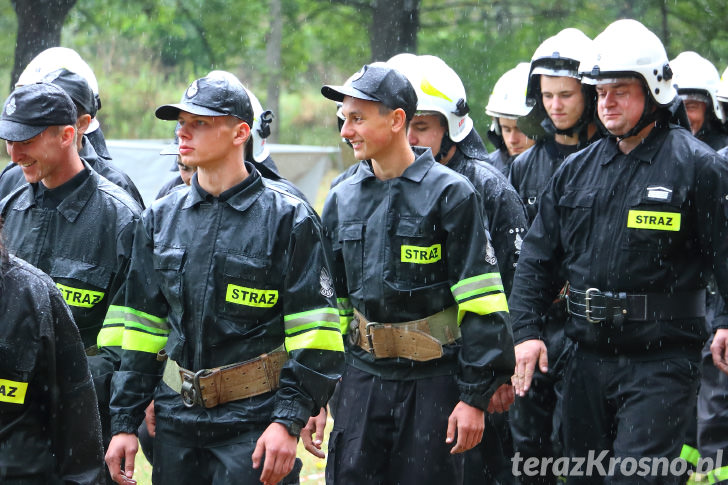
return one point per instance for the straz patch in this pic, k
(12, 392)
(254, 297)
(80, 297)
(658, 221)
(421, 255)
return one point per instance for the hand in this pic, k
(315, 426)
(469, 422)
(123, 446)
(502, 399)
(719, 349)
(527, 354)
(279, 449)
(150, 419)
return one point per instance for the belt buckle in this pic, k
(190, 391)
(369, 337)
(587, 305)
(354, 331)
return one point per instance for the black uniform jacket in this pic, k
(84, 244)
(652, 221)
(221, 280)
(49, 422)
(532, 169)
(409, 247)
(504, 214)
(501, 160)
(12, 176)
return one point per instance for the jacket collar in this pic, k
(415, 172)
(239, 197)
(72, 205)
(644, 152)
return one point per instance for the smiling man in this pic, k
(636, 223)
(68, 221)
(429, 342)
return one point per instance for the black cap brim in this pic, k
(170, 112)
(337, 93)
(14, 131)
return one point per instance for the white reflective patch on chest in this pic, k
(659, 193)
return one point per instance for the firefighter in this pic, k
(441, 119)
(69, 222)
(64, 67)
(507, 103)
(561, 120)
(51, 429)
(635, 223)
(697, 81)
(429, 342)
(230, 317)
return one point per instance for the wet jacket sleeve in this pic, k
(536, 282)
(486, 359)
(507, 222)
(312, 334)
(712, 210)
(77, 426)
(145, 331)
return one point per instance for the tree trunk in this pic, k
(39, 27)
(394, 27)
(273, 56)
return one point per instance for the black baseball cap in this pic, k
(377, 83)
(76, 87)
(30, 109)
(212, 96)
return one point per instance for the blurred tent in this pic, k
(303, 165)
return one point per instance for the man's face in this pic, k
(562, 99)
(203, 139)
(620, 104)
(40, 157)
(368, 131)
(696, 114)
(426, 131)
(185, 171)
(516, 141)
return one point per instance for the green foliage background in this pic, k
(145, 52)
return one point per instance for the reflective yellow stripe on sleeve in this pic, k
(314, 329)
(718, 475)
(12, 392)
(346, 313)
(144, 332)
(690, 455)
(482, 294)
(112, 330)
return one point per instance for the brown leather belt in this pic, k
(419, 340)
(210, 387)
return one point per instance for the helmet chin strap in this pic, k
(445, 144)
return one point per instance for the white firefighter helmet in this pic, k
(695, 75)
(559, 55)
(626, 48)
(439, 89)
(56, 58)
(508, 99)
(722, 93)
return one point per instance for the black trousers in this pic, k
(712, 419)
(392, 432)
(630, 408)
(175, 464)
(490, 461)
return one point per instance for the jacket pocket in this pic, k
(655, 226)
(576, 207)
(418, 256)
(351, 239)
(169, 265)
(247, 288)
